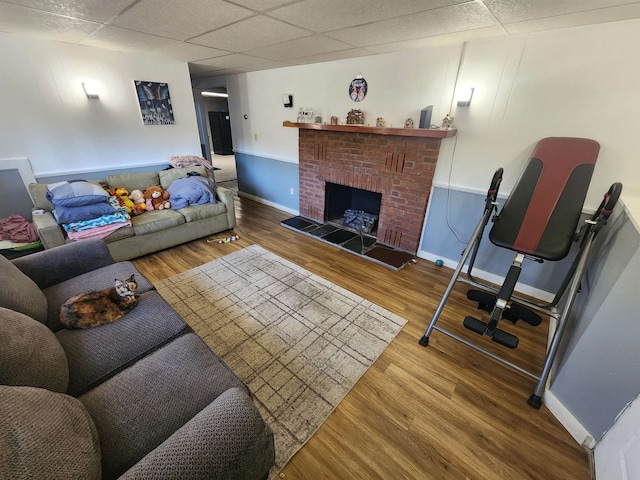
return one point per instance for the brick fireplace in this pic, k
(381, 160)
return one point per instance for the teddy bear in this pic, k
(158, 197)
(139, 201)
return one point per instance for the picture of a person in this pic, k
(354, 93)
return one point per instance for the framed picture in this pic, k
(155, 103)
(358, 89)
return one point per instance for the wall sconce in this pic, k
(215, 94)
(287, 100)
(91, 89)
(464, 96)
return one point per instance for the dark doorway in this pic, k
(220, 125)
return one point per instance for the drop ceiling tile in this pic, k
(232, 61)
(510, 11)
(467, 16)
(114, 38)
(331, 56)
(300, 47)
(180, 20)
(439, 40)
(261, 5)
(263, 66)
(196, 68)
(188, 52)
(95, 10)
(26, 21)
(624, 12)
(325, 15)
(251, 33)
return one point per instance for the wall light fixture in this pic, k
(464, 96)
(91, 89)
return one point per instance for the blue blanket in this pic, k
(191, 191)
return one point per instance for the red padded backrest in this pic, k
(541, 214)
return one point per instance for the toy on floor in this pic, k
(230, 239)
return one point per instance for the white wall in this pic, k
(575, 82)
(399, 86)
(47, 118)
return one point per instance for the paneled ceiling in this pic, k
(218, 37)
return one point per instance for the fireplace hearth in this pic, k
(350, 240)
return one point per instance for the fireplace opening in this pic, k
(351, 207)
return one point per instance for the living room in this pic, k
(574, 81)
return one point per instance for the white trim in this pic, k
(267, 202)
(109, 169)
(568, 421)
(491, 277)
(268, 157)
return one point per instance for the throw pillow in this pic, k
(18, 292)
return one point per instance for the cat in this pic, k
(96, 308)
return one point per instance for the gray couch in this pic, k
(151, 231)
(143, 397)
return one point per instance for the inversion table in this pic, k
(539, 222)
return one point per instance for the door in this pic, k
(617, 455)
(220, 125)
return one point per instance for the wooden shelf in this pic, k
(402, 132)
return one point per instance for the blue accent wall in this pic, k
(268, 179)
(461, 211)
(99, 174)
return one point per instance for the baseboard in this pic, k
(267, 202)
(568, 421)
(491, 277)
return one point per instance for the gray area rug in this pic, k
(298, 341)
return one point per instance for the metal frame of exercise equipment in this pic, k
(585, 236)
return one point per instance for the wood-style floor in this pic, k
(440, 412)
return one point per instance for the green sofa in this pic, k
(151, 231)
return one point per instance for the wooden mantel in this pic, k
(401, 132)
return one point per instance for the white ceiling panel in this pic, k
(114, 38)
(325, 15)
(187, 52)
(275, 33)
(26, 21)
(510, 11)
(95, 10)
(180, 20)
(575, 19)
(313, 45)
(232, 61)
(249, 34)
(467, 16)
(261, 5)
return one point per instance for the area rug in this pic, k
(298, 341)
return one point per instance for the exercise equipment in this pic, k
(539, 221)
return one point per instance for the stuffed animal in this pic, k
(158, 197)
(123, 198)
(139, 201)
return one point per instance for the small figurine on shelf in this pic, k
(447, 122)
(379, 122)
(355, 117)
(408, 123)
(334, 120)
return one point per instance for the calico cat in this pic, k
(93, 309)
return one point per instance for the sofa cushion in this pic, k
(18, 292)
(30, 354)
(97, 353)
(98, 279)
(200, 212)
(167, 177)
(143, 405)
(119, 234)
(227, 439)
(46, 435)
(156, 221)
(133, 181)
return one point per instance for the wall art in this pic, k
(358, 88)
(155, 103)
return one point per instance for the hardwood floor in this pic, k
(440, 412)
